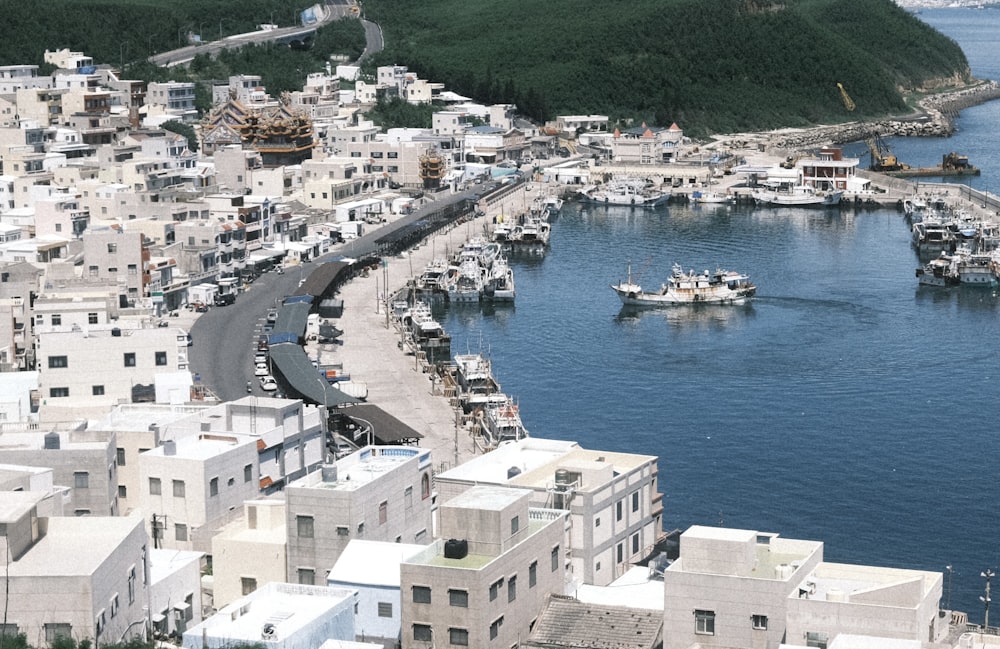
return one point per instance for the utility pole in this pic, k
(988, 574)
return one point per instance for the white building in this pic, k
(250, 551)
(613, 498)
(175, 601)
(372, 569)
(279, 616)
(82, 578)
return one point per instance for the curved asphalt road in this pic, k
(225, 338)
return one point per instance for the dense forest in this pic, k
(719, 66)
(724, 65)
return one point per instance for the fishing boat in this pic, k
(427, 333)
(635, 192)
(501, 422)
(720, 287)
(499, 285)
(799, 196)
(474, 376)
(711, 198)
(940, 271)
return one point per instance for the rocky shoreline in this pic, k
(935, 120)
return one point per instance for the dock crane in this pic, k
(883, 159)
(846, 98)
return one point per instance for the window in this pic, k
(213, 487)
(58, 392)
(495, 589)
(597, 522)
(57, 630)
(393, 169)
(91, 318)
(122, 491)
(132, 269)
(112, 248)
(385, 609)
(422, 632)
(383, 512)
(114, 605)
(154, 487)
(635, 543)
(816, 639)
(408, 497)
(9, 630)
(758, 622)
(704, 622)
(514, 525)
(248, 585)
(459, 637)
(81, 480)
(120, 456)
(161, 358)
(56, 319)
(180, 532)
(97, 390)
(343, 530)
(248, 473)
(56, 362)
(376, 154)
(620, 552)
(532, 574)
(81, 512)
(512, 588)
(178, 488)
(131, 584)
(495, 628)
(304, 526)
(618, 510)
(421, 594)
(425, 487)
(555, 558)
(307, 576)
(130, 359)
(635, 501)
(393, 155)
(458, 598)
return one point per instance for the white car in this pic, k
(268, 384)
(259, 358)
(260, 369)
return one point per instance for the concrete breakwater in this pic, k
(938, 111)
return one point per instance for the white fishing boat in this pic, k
(499, 286)
(478, 387)
(712, 198)
(501, 422)
(635, 192)
(427, 333)
(940, 271)
(720, 287)
(798, 196)
(467, 284)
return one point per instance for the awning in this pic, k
(386, 428)
(291, 362)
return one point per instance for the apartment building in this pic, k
(117, 256)
(380, 493)
(732, 588)
(646, 145)
(613, 499)
(82, 578)
(190, 487)
(483, 583)
(173, 99)
(278, 616)
(250, 551)
(175, 598)
(82, 461)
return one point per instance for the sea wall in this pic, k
(934, 120)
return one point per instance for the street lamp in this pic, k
(988, 574)
(948, 598)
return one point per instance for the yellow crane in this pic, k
(848, 102)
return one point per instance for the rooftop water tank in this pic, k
(456, 549)
(169, 447)
(328, 472)
(51, 441)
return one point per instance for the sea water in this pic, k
(845, 404)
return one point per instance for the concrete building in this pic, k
(837, 599)
(82, 461)
(81, 578)
(191, 486)
(279, 616)
(613, 498)
(174, 99)
(733, 588)
(485, 585)
(86, 369)
(175, 600)
(380, 493)
(289, 436)
(372, 569)
(118, 256)
(646, 145)
(249, 552)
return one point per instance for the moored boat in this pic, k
(799, 196)
(634, 192)
(720, 287)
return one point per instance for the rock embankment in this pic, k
(935, 120)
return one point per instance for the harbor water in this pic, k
(846, 404)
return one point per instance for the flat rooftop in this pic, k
(360, 469)
(531, 463)
(61, 553)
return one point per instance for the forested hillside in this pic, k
(709, 65)
(722, 65)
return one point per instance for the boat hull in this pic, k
(639, 298)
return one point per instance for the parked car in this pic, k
(268, 384)
(260, 369)
(259, 357)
